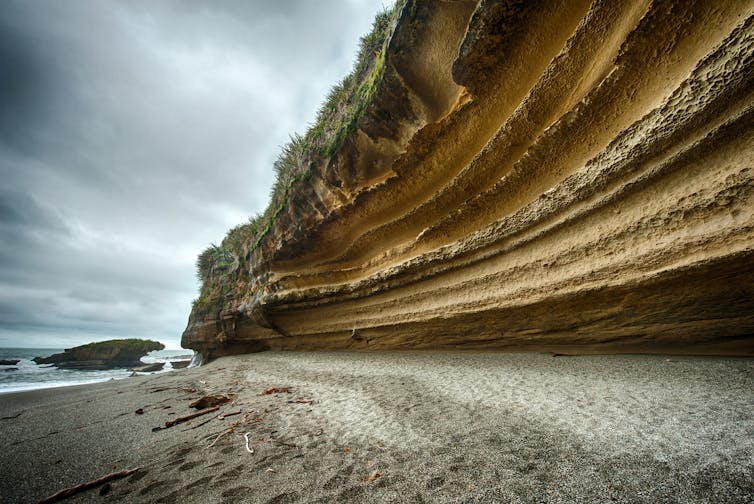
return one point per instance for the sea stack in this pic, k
(118, 353)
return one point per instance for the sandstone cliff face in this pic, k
(570, 176)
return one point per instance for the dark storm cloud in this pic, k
(22, 84)
(132, 134)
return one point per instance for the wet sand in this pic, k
(397, 427)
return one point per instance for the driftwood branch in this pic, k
(200, 424)
(186, 418)
(226, 431)
(226, 415)
(221, 416)
(67, 492)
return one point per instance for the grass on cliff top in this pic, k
(338, 116)
(125, 344)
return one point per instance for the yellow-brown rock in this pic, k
(565, 176)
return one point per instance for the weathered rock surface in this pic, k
(109, 354)
(9, 362)
(566, 176)
(180, 364)
(148, 368)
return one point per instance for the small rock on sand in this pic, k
(149, 368)
(210, 401)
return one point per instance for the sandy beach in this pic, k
(396, 427)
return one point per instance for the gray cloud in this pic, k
(132, 134)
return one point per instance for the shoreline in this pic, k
(29, 375)
(397, 427)
(404, 352)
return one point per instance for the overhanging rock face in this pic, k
(567, 176)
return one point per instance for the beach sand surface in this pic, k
(396, 427)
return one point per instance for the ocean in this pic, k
(27, 375)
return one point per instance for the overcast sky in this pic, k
(133, 134)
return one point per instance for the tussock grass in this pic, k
(337, 117)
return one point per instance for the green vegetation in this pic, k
(339, 115)
(213, 261)
(134, 344)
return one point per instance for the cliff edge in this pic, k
(565, 176)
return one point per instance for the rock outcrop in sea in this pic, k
(119, 353)
(565, 176)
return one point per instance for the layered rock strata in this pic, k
(565, 176)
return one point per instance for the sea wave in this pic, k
(28, 375)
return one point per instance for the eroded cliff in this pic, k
(569, 176)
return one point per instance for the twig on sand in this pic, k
(186, 418)
(67, 492)
(276, 390)
(301, 400)
(182, 389)
(221, 416)
(226, 415)
(287, 445)
(201, 423)
(246, 438)
(285, 442)
(226, 431)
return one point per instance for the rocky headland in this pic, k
(119, 353)
(566, 176)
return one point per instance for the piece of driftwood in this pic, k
(67, 492)
(276, 390)
(221, 416)
(229, 430)
(301, 400)
(226, 431)
(226, 415)
(201, 423)
(186, 418)
(287, 445)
